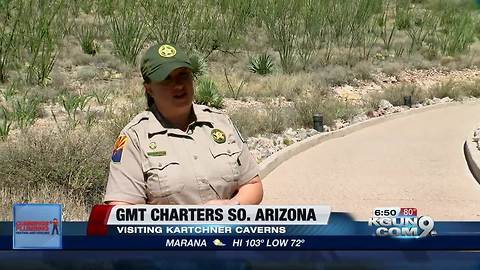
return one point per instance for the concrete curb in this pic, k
(275, 160)
(472, 155)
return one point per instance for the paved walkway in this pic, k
(413, 161)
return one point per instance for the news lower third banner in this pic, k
(235, 227)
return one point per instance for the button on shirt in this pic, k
(157, 164)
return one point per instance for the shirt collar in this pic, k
(199, 114)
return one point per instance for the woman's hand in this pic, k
(250, 193)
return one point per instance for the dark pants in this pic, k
(55, 228)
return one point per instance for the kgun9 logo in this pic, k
(403, 226)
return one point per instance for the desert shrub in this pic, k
(448, 89)
(74, 163)
(261, 64)
(278, 118)
(207, 93)
(46, 26)
(330, 108)
(274, 118)
(282, 20)
(128, 31)
(74, 104)
(117, 118)
(392, 68)
(363, 70)
(456, 26)
(25, 110)
(11, 15)
(233, 91)
(395, 94)
(335, 75)
(471, 89)
(249, 122)
(86, 73)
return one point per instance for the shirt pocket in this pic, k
(225, 160)
(164, 176)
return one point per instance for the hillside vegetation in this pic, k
(69, 78)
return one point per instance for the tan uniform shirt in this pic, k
(154, 164)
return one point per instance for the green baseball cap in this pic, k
(161, 59)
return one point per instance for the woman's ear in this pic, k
(148, 88)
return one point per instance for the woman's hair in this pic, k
(149, 98)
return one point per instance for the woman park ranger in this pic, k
(177, 152)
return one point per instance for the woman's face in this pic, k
(174, 95)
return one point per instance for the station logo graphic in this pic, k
(37, 226)
(401, 222)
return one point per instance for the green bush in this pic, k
(261, 64)
(86, 35)
(207, 94)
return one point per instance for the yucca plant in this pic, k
(198, 64)
(25, 111)
(73, 103)
(101, 96)
(262, 64)
(85, 35)
(207, 94)
(90, 119)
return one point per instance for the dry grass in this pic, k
(395, 95)
(329, 107)
(273, 119)
(392, 68)
(74, 208)
(53, 166)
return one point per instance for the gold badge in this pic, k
(152, 145)
(167, 51)
(218, 135)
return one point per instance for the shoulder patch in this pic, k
(118, 148)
